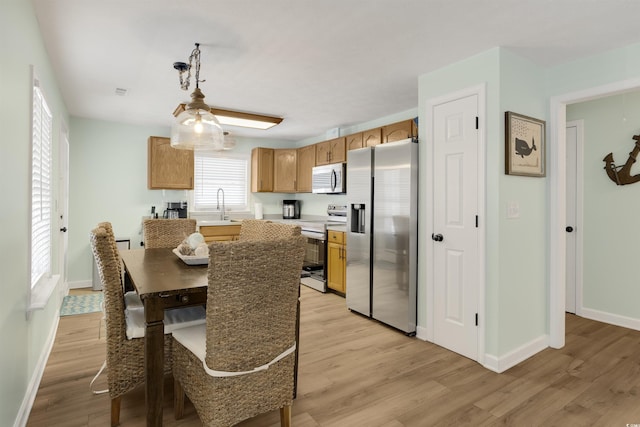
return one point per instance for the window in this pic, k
(214, 170)
(41, 197)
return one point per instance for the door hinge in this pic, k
(477, 123)
(476, 221)
(476, 319)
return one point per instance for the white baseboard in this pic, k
(80, 284)
(511, 359)
(614, 319)
(421, 333)
(34, 382)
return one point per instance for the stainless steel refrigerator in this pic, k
(382, 233)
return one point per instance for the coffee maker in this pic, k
(180, 209)
(291, 209)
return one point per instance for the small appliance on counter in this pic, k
(291, 209)
(175, 210)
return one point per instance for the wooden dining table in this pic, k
(164, 281)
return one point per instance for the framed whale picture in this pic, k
(524, 145)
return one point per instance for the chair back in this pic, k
(166, 233)
(276, 230)
(252, 301)
(108, 264)
(257, 229)
(112, 239)
(252, 229)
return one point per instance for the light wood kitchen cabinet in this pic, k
(220, 233)
(399, 131)
(354, 141)
(372, 137)
(168, 167)
(261, 170)
(306, 162)
(285, 170)
(336, 261)
(332, 151)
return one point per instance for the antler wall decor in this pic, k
(621, 175)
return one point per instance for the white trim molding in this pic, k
(427, 333)
(557, 184)
(611, 318)
(520, 354)
(36, 377)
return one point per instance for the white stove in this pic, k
(314, 270)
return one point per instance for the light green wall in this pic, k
(108, 182)
(523, 290)
(610, 212)
(515, 277)
(24, 340)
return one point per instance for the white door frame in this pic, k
(62, 205)
(557, 191)
(428, 299)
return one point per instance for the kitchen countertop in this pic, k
(337, 227)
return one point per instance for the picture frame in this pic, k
(525, 145)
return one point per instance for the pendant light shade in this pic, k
(196, 128)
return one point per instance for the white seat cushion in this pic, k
(173, 319)
(194, 338)
(132, 300)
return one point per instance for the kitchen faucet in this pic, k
(218, 202)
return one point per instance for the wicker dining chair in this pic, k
(125, 356)
(252, 229)
(166, 233)
(242, 362)
(258, 229)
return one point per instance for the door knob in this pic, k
(437, 237)
(569, 229)
(63, 229)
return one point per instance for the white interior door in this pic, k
(456, 237)
(62, 207)
(573, 226)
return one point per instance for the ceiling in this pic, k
(319, 64)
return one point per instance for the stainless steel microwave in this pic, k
(329, 179)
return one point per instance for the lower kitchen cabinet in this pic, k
(336, 261)
(220, 233)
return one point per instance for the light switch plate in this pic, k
(513, 210)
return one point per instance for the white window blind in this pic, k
(40, 188)
(214, 171)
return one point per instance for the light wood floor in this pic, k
(356, 372)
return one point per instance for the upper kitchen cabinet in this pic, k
(167, 167)
(354, 141)
(306, 162)
(399, 131)
(285, 170)
(332, 151)
(372, 137)
(261, 170)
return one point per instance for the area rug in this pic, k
(81, 304)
